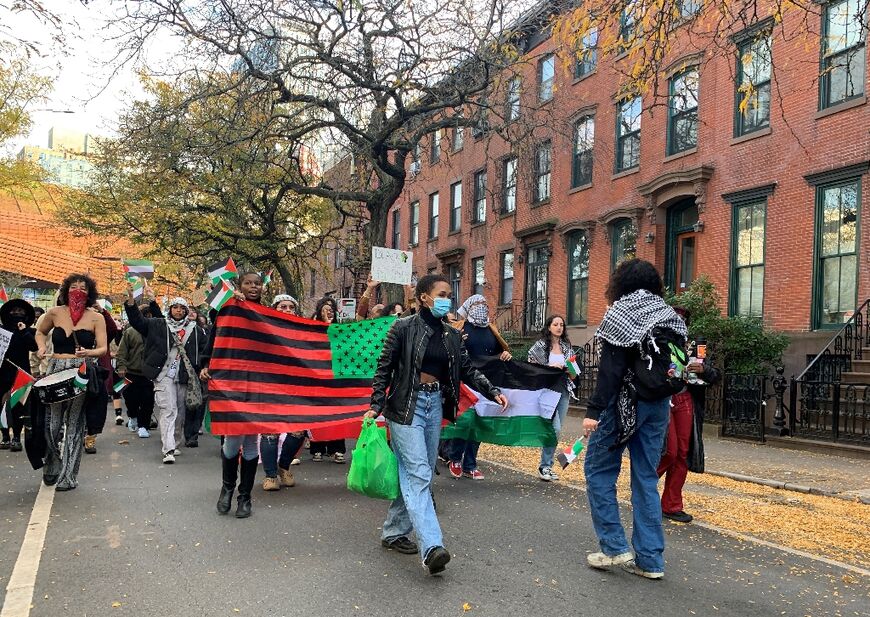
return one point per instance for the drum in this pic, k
(57, 387)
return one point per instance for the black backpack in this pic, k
(665, 376)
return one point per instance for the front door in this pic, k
(682, 245)
(536, 288)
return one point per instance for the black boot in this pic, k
(230, 467)
(246, 483)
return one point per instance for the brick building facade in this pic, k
(767, 202)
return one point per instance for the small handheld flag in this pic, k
(4, 297)
(267, 277)
(570, 454)
(121, 384)
(222, 270)
(4, 423)
(81, 380)
(138, 289)
(20, 388)
(134, 268)
(219, 295)
(573, 367)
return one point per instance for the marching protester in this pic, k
(78, 337)
(95, 404)
(251, 290)
(553, 348)
(624, 411)
(325, 311)
(482, 338)
(422, 362)
(277, 468)
(687, 412)
(173, 351)
(16, 316)
(139, 394)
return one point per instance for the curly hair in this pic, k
(63, 293)
(632, 275)
(318, 310)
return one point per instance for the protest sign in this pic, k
(391, 265)
(346, 309)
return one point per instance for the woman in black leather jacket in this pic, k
(422, 362)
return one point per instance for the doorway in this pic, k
(537, 266)
(682, 245)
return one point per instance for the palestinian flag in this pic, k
(4, 297)
(138, 289)
(81, 380)
(533, 392)
(135, 268)
(222, 271)
(570, 454)
(573, 367)
(119, 385)
(20, 388)
(267, 277)
(219, 295)
(277, 373)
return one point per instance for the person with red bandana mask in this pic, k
(78, 335)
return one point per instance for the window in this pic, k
(578, 277)
(836, 270)
(506, 294)
(435, 147)
(414, 230)
(433, 215)
(397, 238)
(458, 138)
(454, 276)
(628, 134)
(752, 101)
(509, 186)
(543, 166)
(417, 153)
(587, 55)
(482, 125)
(581, 161)
(627, 27)
(455, 206)
(512, 111)
(689, 8)
(623, 241)
(546, 77)
(479, 213)
(842, 52)
(747, 258)
(478, 273)
(683, 111)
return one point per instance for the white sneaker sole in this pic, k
(600, 561)
(632, 568)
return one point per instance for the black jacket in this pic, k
(399, 368)
(156, 335)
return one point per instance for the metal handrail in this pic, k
(833, 340)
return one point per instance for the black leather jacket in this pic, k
(399, 368)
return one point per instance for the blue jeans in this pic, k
(269, 452)
(416, 448)
(558, 420)
(602, 467)
(464, 452)
(247, 443)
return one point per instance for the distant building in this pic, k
(66, 158)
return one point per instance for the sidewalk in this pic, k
(805, 472)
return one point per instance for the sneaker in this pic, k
(547, 474)
(296, 461)
(401, 545)
(271, 484)
(436, 560)
(176, 452)
(680, 517)
(317, 457)
(119, 420)
(143, 432)
(474, 475)
(168, 458)
(455, 469)
(600, 561)
(193, 442)
(15, 446)
(4, 445)
(153, 425)
(133, 425)
(633, 568)
(338, 457)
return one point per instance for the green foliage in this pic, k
(740, 344)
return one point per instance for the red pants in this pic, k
(674, 459)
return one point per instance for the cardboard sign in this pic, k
(346, 309)
(5, 339)
(391, 265)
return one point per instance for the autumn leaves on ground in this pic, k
(825, 526)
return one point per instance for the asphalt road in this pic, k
(145, 538)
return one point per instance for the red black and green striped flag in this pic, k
(274, 373)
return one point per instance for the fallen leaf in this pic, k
(124, 442)
(116, 605)
(466, 607)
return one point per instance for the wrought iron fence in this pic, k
(744, 405)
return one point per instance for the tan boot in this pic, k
(271, 484)
(91, 444)
(286, 477)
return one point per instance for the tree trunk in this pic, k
(290, 284)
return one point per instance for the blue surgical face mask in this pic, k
(441, 306)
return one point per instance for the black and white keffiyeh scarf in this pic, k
(629, 323)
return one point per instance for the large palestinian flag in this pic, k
(275, 373)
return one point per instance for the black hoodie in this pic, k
(23, 341)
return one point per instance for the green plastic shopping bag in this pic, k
(374, 471)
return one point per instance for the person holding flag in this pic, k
(17, 317)
(78, 338)
(553, 348)
(139, 395)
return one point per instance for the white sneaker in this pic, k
(176, 452)
(600, 561)
(632, 567)
(296, 461)
(168, 458)
(547, 474)
(143, 432)
(133, 425)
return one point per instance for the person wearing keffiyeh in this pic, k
(616, 418)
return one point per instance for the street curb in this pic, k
(790, 486)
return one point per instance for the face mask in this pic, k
(441, 306)
(77, 300)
